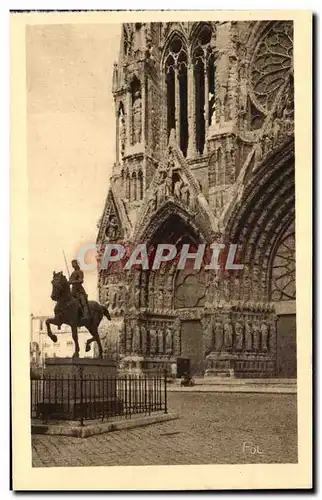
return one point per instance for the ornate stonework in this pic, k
(204, 152)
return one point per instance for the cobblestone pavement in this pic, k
(213, 428)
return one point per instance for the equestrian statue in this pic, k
(73, 309)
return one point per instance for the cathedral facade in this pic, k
(204, 117)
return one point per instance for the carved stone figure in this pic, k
(208, 337)
(239, 336)
(122, 338)
(153, 202)
(122, 136)
(185, 194)
(228, 335)
(226, 288)
(192, 201)
(136, 339)
(137, 118)
(160, 342)
(177, 189)
(128, 340)
(168, 341)
(144, 339)
(218, 336)
(256, 336)
(168, 187)
(111, 228)
(265, 336)
(248, 337)
(258, 152)
(159, 299)
(153, 341)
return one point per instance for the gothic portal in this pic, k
(204, 117)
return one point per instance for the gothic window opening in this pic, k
(211, 82)
(200, 105)
(127, 186)
(136, 122)
(140, 182)
(177, 91)
(171, 107)
(138, 36)
(204, 84)
(134, 187)
(183, 86)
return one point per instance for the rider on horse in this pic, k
(76, 280)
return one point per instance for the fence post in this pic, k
(81, 395)
(165, 392)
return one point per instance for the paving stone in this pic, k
(213, 428)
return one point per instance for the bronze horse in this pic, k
(67, 311)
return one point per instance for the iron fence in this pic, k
(86, 397)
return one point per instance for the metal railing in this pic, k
(86, 397)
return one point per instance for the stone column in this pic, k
(177, 103)
(117, 136)
(191, 114)
(164, 110)
(206, 110)
(128, 118)
(143, 109)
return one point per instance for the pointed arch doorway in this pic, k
(180, 293)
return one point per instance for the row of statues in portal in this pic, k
(238, 336)
(141, 339)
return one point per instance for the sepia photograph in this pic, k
(161, 210)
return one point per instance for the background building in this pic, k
(204, 117)
(42, 347)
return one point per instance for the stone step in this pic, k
(241, 381)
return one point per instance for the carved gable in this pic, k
(173, 181)
(110, 225)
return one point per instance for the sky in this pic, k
(71, 145)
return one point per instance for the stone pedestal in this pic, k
(79, 388)
(80, 366)
(243, 365)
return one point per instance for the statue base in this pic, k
(76, 388)
(240, 365)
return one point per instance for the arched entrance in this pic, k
(283, 294)
(175, 298)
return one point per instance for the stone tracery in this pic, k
(272, 63)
